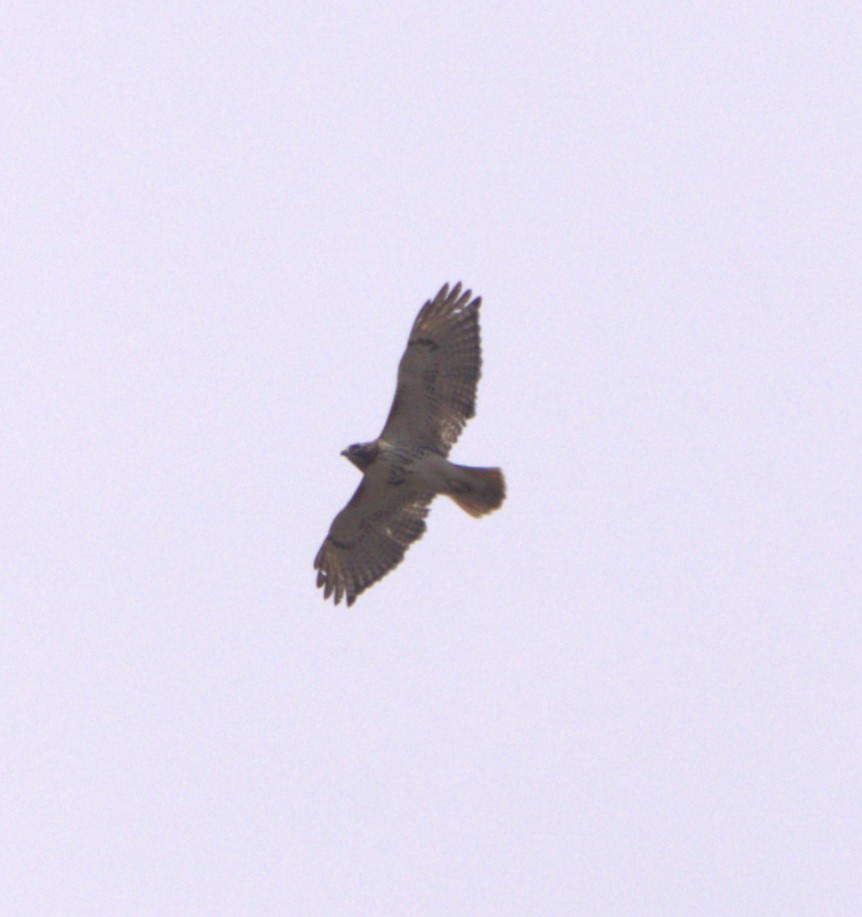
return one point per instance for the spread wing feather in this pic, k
(438, 374)
(368, 538)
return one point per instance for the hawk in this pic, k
(406, 466)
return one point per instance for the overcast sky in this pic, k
(635, 689)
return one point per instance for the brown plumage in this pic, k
(438, 374)
(406, 466)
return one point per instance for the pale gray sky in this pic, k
(636, 689)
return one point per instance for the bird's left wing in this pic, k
(368, 538)
(438, 373)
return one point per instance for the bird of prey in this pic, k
(406, 466)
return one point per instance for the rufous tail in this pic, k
(478, 490)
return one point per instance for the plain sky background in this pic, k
(634, 690)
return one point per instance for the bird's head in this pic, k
(361, 454)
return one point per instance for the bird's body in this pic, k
(407, 465)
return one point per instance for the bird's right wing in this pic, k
(368, 538)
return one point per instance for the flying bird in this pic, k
(407, 466)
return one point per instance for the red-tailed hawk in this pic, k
(406, 466)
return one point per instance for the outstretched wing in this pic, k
(368, 538)
(438, 374)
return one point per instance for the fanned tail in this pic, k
(478, 490)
